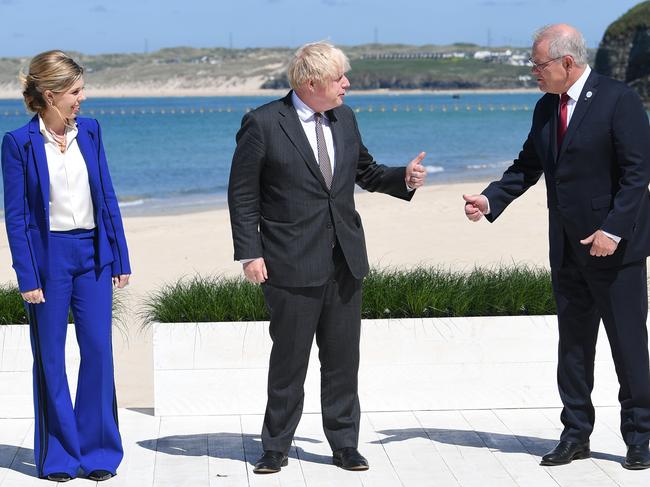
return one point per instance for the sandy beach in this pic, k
(430, 230)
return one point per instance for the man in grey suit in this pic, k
(296, 232)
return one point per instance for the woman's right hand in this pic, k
(35, 296)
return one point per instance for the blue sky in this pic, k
(92, 26)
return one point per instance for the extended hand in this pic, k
(476, 205)
(601, 244)
(121, 281)
(35, 296)
(415, 172)
(255, 271)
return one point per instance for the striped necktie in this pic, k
(321, 147)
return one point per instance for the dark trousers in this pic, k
(333, 313)
(619, 296)
(86, 436)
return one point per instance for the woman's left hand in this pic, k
(121, 281)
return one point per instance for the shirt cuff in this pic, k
(246, 261)
(615, 238)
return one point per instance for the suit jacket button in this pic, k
(333, 243)
(329, 225)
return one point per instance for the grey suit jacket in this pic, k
(280, 207)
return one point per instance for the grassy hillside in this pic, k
(373, 66)
(635, 18)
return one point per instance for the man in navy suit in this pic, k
(591, 139)
(296, 231)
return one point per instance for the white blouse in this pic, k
(71, 205)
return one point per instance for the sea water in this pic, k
(173, 154)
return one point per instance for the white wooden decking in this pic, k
(482, 448)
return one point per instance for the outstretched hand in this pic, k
(476, 205)
(415, 172)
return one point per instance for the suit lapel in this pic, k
(40, 159)
(337, 128)
(293, 129)
(583, 104)
(89, 153)
(546, 136)
(551, 126)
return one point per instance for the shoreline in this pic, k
(219, 201)
(186, 206)
(221, 92)
(175, 206)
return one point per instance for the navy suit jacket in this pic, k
(598, 179)
(27, 195)
(280, 206)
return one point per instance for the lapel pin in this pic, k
(588, 94)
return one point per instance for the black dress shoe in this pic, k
(349, 459)
(638, 457)
(58, 477)
(271, 462)
(565, 452)
(100, 475)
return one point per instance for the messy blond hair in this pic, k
(317, 62)
(50, 70)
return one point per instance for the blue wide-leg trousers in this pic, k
(84, 436)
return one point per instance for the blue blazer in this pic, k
(27, 196)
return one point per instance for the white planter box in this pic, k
(406, 364)
(16, 369)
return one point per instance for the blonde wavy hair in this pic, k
(317, 62)
(49, 70)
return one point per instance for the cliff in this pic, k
(624, 52)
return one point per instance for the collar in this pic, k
(576, 88)
(70, 132)
(305, 114)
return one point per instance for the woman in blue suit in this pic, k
(67, 245)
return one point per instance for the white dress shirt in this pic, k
(574, 94)
(306, 116)
(71, 205)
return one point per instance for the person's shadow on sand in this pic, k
(482, 439)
